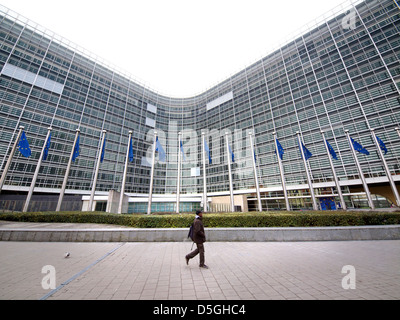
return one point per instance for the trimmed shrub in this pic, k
(215, 220)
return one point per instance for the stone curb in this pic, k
(389, 232)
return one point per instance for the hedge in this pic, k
(214, 220)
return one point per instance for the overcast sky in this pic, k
(176, 47)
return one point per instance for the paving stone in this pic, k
(237, 270)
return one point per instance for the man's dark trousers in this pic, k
(198, 250)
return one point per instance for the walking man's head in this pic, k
(199, 213)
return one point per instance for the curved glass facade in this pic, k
(343, 73)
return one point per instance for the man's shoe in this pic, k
(204, 266)
(187, 260)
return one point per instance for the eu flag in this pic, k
(76, 149)
(381, 145)
(130, 151)
(46, 148)
(183, 153)
(160, 150)
(232, 155)
(280, 149)
(358, 147)
(23, 145)
(331, 151)
(103, 150)
(307, 153)
(208, 151)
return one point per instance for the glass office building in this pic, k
(342, 72)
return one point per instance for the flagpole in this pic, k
(152, 174)
(229, 171)
(121, 197)
(204, 174)
(178, 185)
(314, 202)
(397, 130)
(255, 172)
(342, 202)
(282, 173)
(90, 208)
(389, 175)
(28, 198)
(64, 185)
(364, 182)
(4, 175)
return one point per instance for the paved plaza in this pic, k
(237, 270)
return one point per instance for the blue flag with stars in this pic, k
(331, 151)
(280, 149)
(232, 155)
(130, 155)
(76, 149)
(381, 145)
(183, 153)
(46, 148)
(358, 147)
(208, 151)
(103, 150)
(307, 153)
(23, 145)
(161, 152)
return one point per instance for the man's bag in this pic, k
(190, 234)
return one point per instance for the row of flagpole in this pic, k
(22, 143)
(23, 146)
(354, 146)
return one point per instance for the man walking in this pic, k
(199, 237)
